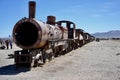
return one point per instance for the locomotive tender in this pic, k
(42, 41)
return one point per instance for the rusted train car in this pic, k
(43, 41)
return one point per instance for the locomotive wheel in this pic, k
(35, 63)
(44, 56)
(50, 56)
(56, 54)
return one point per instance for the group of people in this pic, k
(5, 44)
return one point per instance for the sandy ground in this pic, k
(94, 61)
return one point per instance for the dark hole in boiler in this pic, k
(26, 34)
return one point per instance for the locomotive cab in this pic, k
(70, 26)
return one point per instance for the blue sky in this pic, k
(90, 15)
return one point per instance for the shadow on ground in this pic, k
(11, 70)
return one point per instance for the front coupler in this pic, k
(23, 58)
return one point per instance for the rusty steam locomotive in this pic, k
(43, 41)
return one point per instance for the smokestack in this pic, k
(32, 7)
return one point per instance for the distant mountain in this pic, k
(109, 34)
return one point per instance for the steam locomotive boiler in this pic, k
(42, 41)
(29, 33)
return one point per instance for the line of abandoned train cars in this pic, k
(43, 41)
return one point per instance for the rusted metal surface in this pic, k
(30, 33)
(32, 5)
(64, 32)
(70, 26)
(51, 20)
(79, 34)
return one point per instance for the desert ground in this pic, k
(93, 61)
